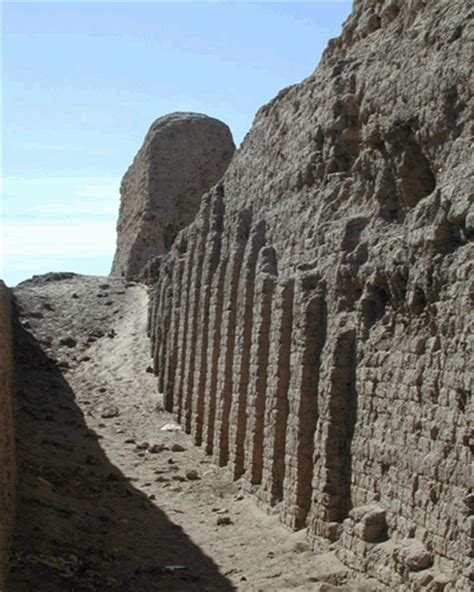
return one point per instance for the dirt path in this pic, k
(108, 501)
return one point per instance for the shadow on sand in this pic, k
(81, 525)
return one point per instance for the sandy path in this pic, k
(104, 500)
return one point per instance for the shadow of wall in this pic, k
(81, 525)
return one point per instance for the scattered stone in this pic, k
(109, 412)
(97, 333)
(170, 427)
(414, 555)
(370, 522)
(192, 475)
(174, 568)
(177, 448)
(156, 448)
(44, 482)
(68, 341)
(149, 369)
(36, 315)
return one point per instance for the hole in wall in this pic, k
(374, 306)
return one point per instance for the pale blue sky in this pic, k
(82, 82)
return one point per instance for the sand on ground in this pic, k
(106, 499)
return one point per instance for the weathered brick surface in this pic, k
(318, 312)
(182, 156)
(7, 452)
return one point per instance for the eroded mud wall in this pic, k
(7, 453)
(183, 155)
(311, 328)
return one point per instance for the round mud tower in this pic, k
(182, 157)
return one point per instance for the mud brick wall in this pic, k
(182, 156)
(7, 452)
(312, 328)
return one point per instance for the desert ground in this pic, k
(107, 499)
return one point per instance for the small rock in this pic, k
(170, 427)
(178, 448)
(102, 389)
(192, 475)
(174, 568)
(152, 496)
(68, 342)
(143, 446)
(96, 333)
(170, 461)
(130, 441)
(415, 555)
(44, 483)
(103, 518)
(155, 448)
(109, 412)
(111, 334)
(74, 295)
